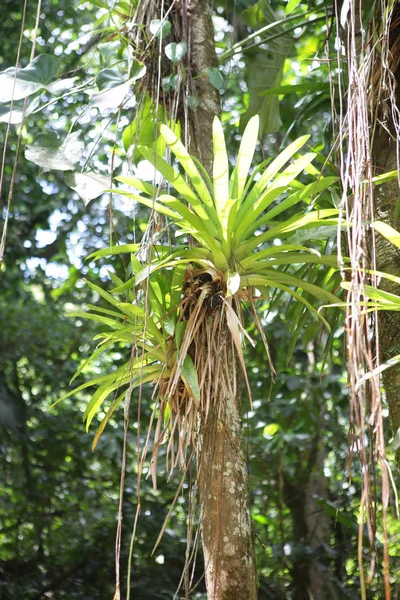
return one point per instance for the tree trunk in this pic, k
(386, 206)
(310, 523)
(388, 260)
(228, 546)
(202, 55)
(227, 535)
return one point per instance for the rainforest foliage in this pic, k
(144, 279)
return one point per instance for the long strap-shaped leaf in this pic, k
(280, 183)
(306, 194)
(245, 157)
(260, 280)
(188, 221)
(292, 258)
(190, 168)
(195, 254)
(272, 252)
(271, 171)
(202, 221)
(220, 172)
(140, 185)
(148, 374)
(153, 204)
(316, 218)
(171, 175)
(249, 221)
(291, 280)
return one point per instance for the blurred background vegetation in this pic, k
(58, 499)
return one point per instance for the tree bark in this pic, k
(310, 523)
(386, 207)
(227, 536)
(388, 260)
(202, 55)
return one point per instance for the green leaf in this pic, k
(108, 297)
(180, 332)
(215, 77)
(133, 311)
(257, 280)
(113, 323)
(110, 97)
(246, 153)
(384, 177)
(296, 88)
(388, 232)
(104, 346)
(251, 222)
(138, 70)
(190, 378)
(294, 258)
(141, 131)
(81, 387)
(248, 222)
(170, 82)
(314, 290)
(271, 429)
(151, 204)
(25, 82)
(17, 112)
(190, 168)
(160, 28)
(273, 252)
(142, 186)
(390, 300)
(176, 52)
(171, 175)
(261, 519)
(271, 171)
(110, 251)
(291, 6)
(147, 374)
(201, 224)
(220, 172)
(313, 219)
(114, 87)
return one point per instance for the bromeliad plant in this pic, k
(183, 316)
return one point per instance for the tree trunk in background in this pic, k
(387, 198)
(311, 527)
(317, 520)
(228, 545)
